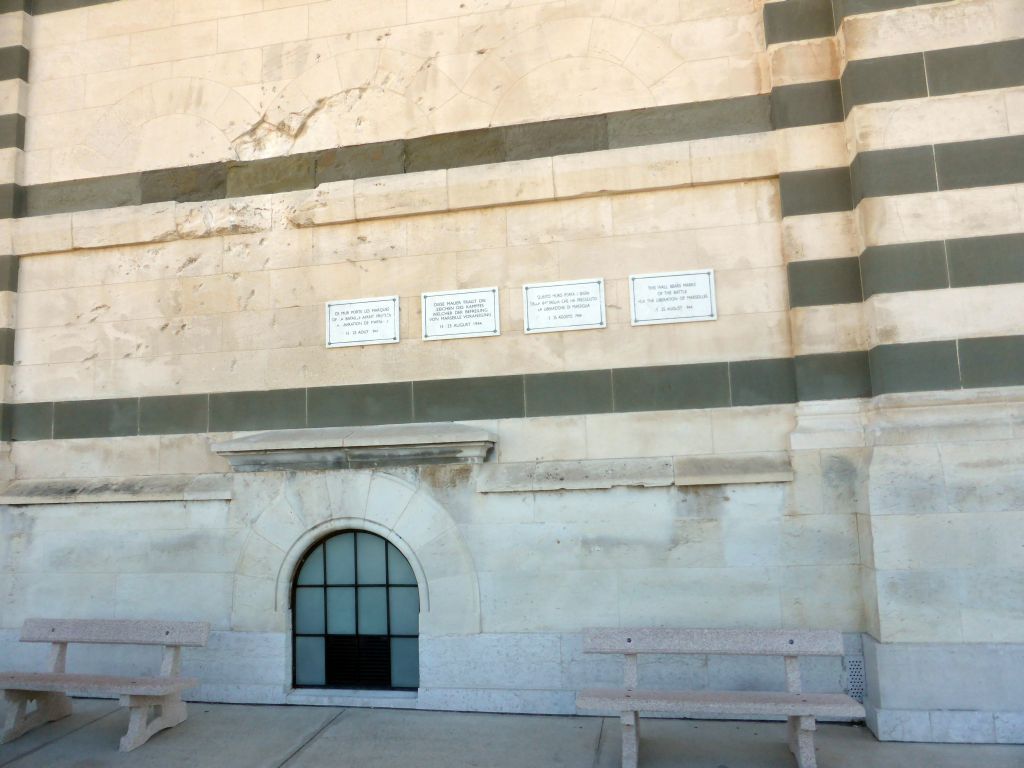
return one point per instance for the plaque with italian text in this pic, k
(569, 305)
(672, 297)
(460, 314)
(359, 322)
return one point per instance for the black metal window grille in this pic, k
(355, 610)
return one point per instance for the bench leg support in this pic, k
(150, 715)
(49, 707)
(801, 741)
(630, 739)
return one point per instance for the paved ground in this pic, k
(231, 736)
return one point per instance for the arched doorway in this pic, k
(355, 606)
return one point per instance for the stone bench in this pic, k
(799, 708)
(155, 702)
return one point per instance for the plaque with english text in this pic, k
(672, 297)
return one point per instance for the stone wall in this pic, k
(191, 181)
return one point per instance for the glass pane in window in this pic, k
(405, 662)
(371, 558)
(309, 611)
(309, 661)
(399, 570)
(341, 611)
(405, 610)
(373, 611)
(341, 568)
(313, 569)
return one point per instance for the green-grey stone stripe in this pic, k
(952, 364)
(824, 281)
(943, 72)
(797, 20)
(903, 267)
(807, 104)
(9, 272)
(14, 63)
(39, 7)
(12, 131)
(6, 346)
(620, 390)
(904, 171)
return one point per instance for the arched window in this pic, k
(356, 609)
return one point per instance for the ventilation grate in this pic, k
(855, 677)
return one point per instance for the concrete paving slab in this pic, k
(83, 713)
(220, 735)
(722, 744)
(363, 738)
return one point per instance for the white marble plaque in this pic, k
(358, 322)
(460, 314)
(569, 305)
(672, 297)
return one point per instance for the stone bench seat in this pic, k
(38, 698)
(704, 703)
(95, 685)
(799, 708)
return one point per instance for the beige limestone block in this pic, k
(255, 30)
(654, 433)
(81, 58)
(719, 78)
(56, 130)
(131, 16)
(752, 429)
(623, 170)
(53, 29)
(820, 540)
(39, 383)
(726, 158)
(575, 600)
(383, 196)
(459, 231)
(931, 542)
(696, 207)
(919, 606)
(302, 286)
(271, 329)
(41, 234)
(991, 605)
(719, 35)
(360, 241)
(829, 328)
(229, 292)
(15, 96)
(507, 267)
(937, 215)
(1015, 110)
(935, 120)
(542, 439)
(38, 167)
(187, 11)
(88, 457)
(823, 596)
(743, 291)
(8, 309)
(189, 455)
(336, 17)
(153, 338)
(942, 25)
(804, 61)
(700, 597)
(811, 147)
(331, 203)
(276, 249)
(821, 236)
(13, 28)
(138, 224)
(104, 88)
(238, 215)
(174, 43)
(233, 68)
(183, 374)
(512, 182)
(563, 220)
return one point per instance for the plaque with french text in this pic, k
(358, 322)
(460, 314)
(569, 305)
(672, 297)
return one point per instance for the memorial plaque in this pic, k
(358, 322)
(569, 305)
(460, 314)
(672, 297)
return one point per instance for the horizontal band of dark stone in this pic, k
(6, 346)
(12, 131)
(952, 364)
(705, 385)
(39, 7)
(933, 73)
(808, 19)
(958, 263)
(14, 63)
(904, 171)
(8, 272)
(641, 127)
